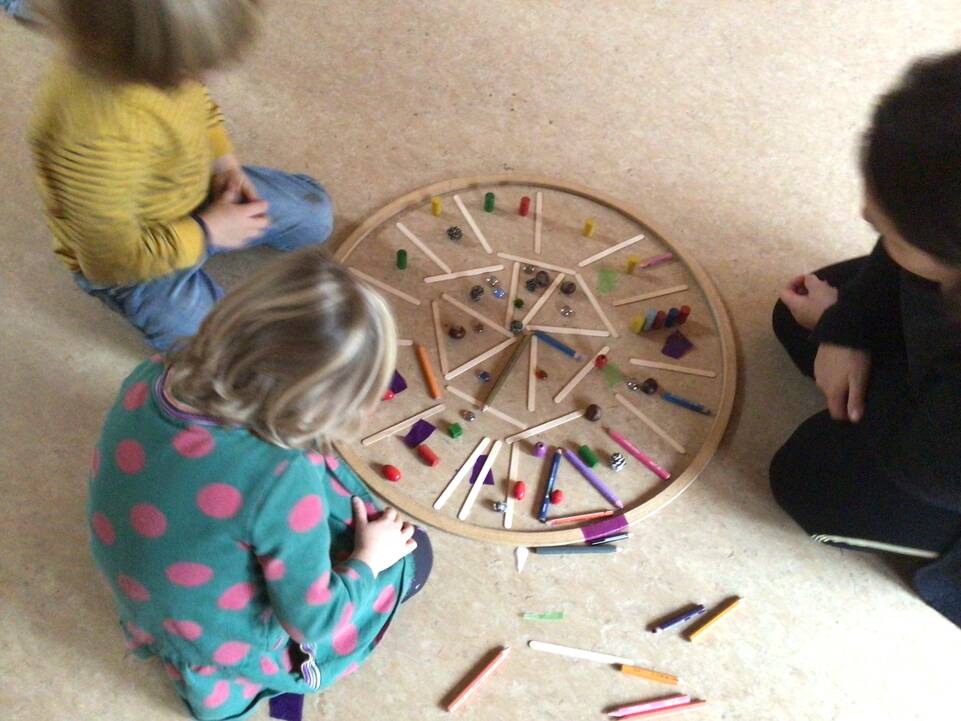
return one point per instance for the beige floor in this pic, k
(733, 126)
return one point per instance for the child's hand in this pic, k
(842, 374)
(232, 225)
(382, 542)
(807, 297)
(228, 174)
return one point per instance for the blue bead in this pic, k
(499, 292)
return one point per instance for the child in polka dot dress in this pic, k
(240, 551)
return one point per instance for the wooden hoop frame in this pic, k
(632, 514)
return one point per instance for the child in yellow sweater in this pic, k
(136, 170)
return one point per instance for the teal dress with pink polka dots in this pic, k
(228, 555)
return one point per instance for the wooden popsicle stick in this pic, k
(384, 287)
(511, 477)
(545, 426)
(464, 273)
(489, 409)
(473, 226)
(439, 337)
(461, 473)
(607, 251)
(649, 296)
(649, 423)
(580, 653)
(479, 359)
(543, 299)
(509, 314)
(423, 247)
(597, 306)
(509, 513)
(474, 314)
(538, 220)
(674, 368)
(532, 377)
(479, 483)
(580, 375)
(402, 425)
(563, 330)
(405, 341)
(536, 263)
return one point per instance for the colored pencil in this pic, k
(720, 613)
(632, 670)
(428, 372)
(479, 679)
(546, 616)
(677, 619)
(573, 550)
(658, 703)
(579, 518)
(580, 653)
(685, 403)
(639, 455)
(670, 711)
(609, 539)
(551, 479)
(562, 347)
(508, 367)
(656, 260)
(593, 479)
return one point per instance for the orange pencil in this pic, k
(560, 520)
(428, 372)
(650, 675)
(475, 682)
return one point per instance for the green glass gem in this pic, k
(402, 259)
(518, 302)
(489, 202)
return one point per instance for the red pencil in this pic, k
(475, 682)
(661, 712)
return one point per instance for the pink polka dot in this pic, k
(285, 659)
(332, 462)
(315, 458)
(274, 568)
(230, 653)
(219, 500)
(103, 528)
(135, 396)
(348, 671)
(348, 572)
(95, 462)
(345, 634)
(148, 520)
(385, 599)
(130, 456)
(306, 513)
(338, 489)
(184, 629)
(248, 689)
(172, 671)
(237, 596)
(268, 666)
(195, 442)
(219, 695)
(185, 573)
(319, 591)
(133, 589)
(140, 636)
(281, 467)
(204, 670)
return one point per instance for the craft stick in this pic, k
(613, 249)
(562, 330)
(439, 336)
(597, 306)
(669, 711)
(511, 477)
(509, 314)
(649, 423)
(649, 296)
(632, 670)
(720, 613)
(479, 483)
(532, 376)
(474, 314)
(461, 473)
(423, 247)
(593, 479)
(545, 426)
(463, 273)
(505, 371)
(479, 359)
(579, 518)
(580, 653)
(672, 367)
(509, 513)
(475, 683)
(473, 226)
(649, 462)
(490, 409)
(429, 378)
(580, 375)
(538, 220)
(659, 703)
(405, 341)
(535, 262)
(543, 299)
(402, 425)
(384, 287)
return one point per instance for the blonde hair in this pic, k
(160, 42)
(299, 354)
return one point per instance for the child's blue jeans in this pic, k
(172, 307)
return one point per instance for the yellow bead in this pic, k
(589, 228)
(436, 205)
(632, 262)
(637, 323)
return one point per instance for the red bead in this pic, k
(427, 455)
(389, 395)
(540, 374)
(600, 361)
(682, 316)
(525, 206)
(659, 320)
(520, 490)
(391, 473)
(557, 496)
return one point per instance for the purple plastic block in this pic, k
(676, 345)
(397, 383)
(419, 433)
(287, 707)
(489, 480)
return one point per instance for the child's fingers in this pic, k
(837, 405)
(410, 546)
(257, 207)
(407, 531)
(360, 512)
(856, 392)
(390, 513)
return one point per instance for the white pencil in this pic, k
(651, 295)
(538, 220)
(536, 263)
(439, 337)
(473, 226)
(463, 273)
(580, 375)
(402, 425)
(423, 247)
(461, 473)
(478, 403)
(613, 249)
(675, 368)
(545, 426)
(649, 423)
(563, 330)
(479, 359)
(384, 287)
(479, 483)
(532, 376)
(543, 299)
(580, 653)
(474, 314)
(509, 311)
(597, 306)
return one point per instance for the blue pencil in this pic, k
(686, 615)
(684, 403)
(592, 478)
(562, 347)
(551, 479)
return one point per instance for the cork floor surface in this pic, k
(732, 126)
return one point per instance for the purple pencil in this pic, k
(642, 457)
(592, 478)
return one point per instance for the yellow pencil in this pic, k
(724, 609)
(650, 675)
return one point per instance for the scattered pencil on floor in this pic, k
(546, 616)
(631, 670)
(657, 703)
(475, 682)
(669, 711)
(719, 613)
(574, 550)
(676, 619)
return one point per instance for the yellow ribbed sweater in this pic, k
(120, 168)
